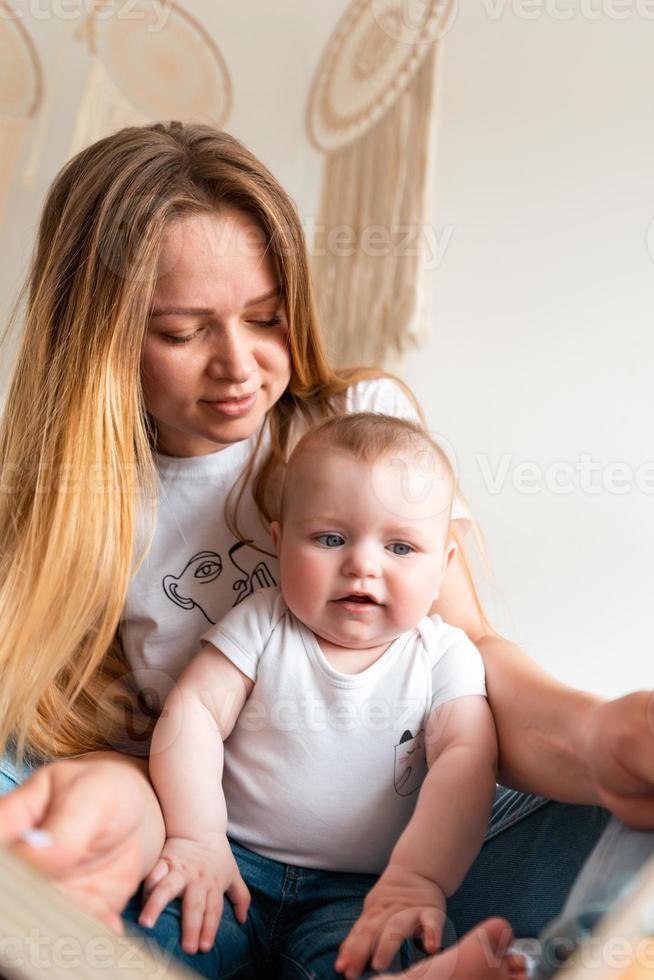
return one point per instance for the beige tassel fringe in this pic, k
(103, 110)
(374, 301)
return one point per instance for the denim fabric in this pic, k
(509, 808)
(527, 866)
(296, 922)
(533, 853)
(11, 775)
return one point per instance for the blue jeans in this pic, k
(534, 851)
(296, 922)
(11, 775)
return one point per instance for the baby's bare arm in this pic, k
(186, 765)
(439, 843)
(448, 825)
(186, 756)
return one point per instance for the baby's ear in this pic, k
(450, 552)
(275, 531)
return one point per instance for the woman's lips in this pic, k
(234, 408)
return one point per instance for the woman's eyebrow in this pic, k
(180, 311)
(262, 299)
(201, 311)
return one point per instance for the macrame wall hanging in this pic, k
(158, 63)
(21, 94)
(372, 111)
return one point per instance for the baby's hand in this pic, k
(402, 905)
(203, 870)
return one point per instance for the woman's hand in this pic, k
(104, 824)
(401, 905)
(203, 871)
(620, 747)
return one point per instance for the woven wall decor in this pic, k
(158, 63)
(371, 110)
(21, 93)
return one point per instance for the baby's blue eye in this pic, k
(330, 540)
(400, 544)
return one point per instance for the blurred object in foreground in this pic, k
(618, 944)
(45, 935)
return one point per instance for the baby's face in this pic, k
(362, 547)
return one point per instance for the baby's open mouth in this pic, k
(359, 598)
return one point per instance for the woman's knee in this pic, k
(524, 873)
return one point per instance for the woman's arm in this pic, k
(554, 740)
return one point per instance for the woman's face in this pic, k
(215, 356)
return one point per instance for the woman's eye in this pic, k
(276, 320)
(330, 540)
(400, 548)
(173, 338)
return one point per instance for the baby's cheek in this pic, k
(412, 600)
(302, 580)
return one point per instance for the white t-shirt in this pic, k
(196, 570)
(322, 769)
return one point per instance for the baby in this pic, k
(357, 737)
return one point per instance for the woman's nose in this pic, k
(232, 355)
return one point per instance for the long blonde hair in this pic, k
(76, 443)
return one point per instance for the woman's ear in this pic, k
(276, 532)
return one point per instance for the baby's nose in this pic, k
(361, 562)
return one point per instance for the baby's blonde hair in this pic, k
(371, 437)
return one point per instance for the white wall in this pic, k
(543, 344)
(541, 348)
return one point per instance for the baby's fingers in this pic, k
(159, 872)
(194, 906)
(239, 896)
(430, 929)
(405, 925)
(212, 916)
(355, 950)
(168, 888)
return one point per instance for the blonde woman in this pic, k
(170, 358)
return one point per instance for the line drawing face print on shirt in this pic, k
(188, 589)
(257, 577)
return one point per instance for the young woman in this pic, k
(171, 357)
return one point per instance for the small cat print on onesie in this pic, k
(410, 763)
